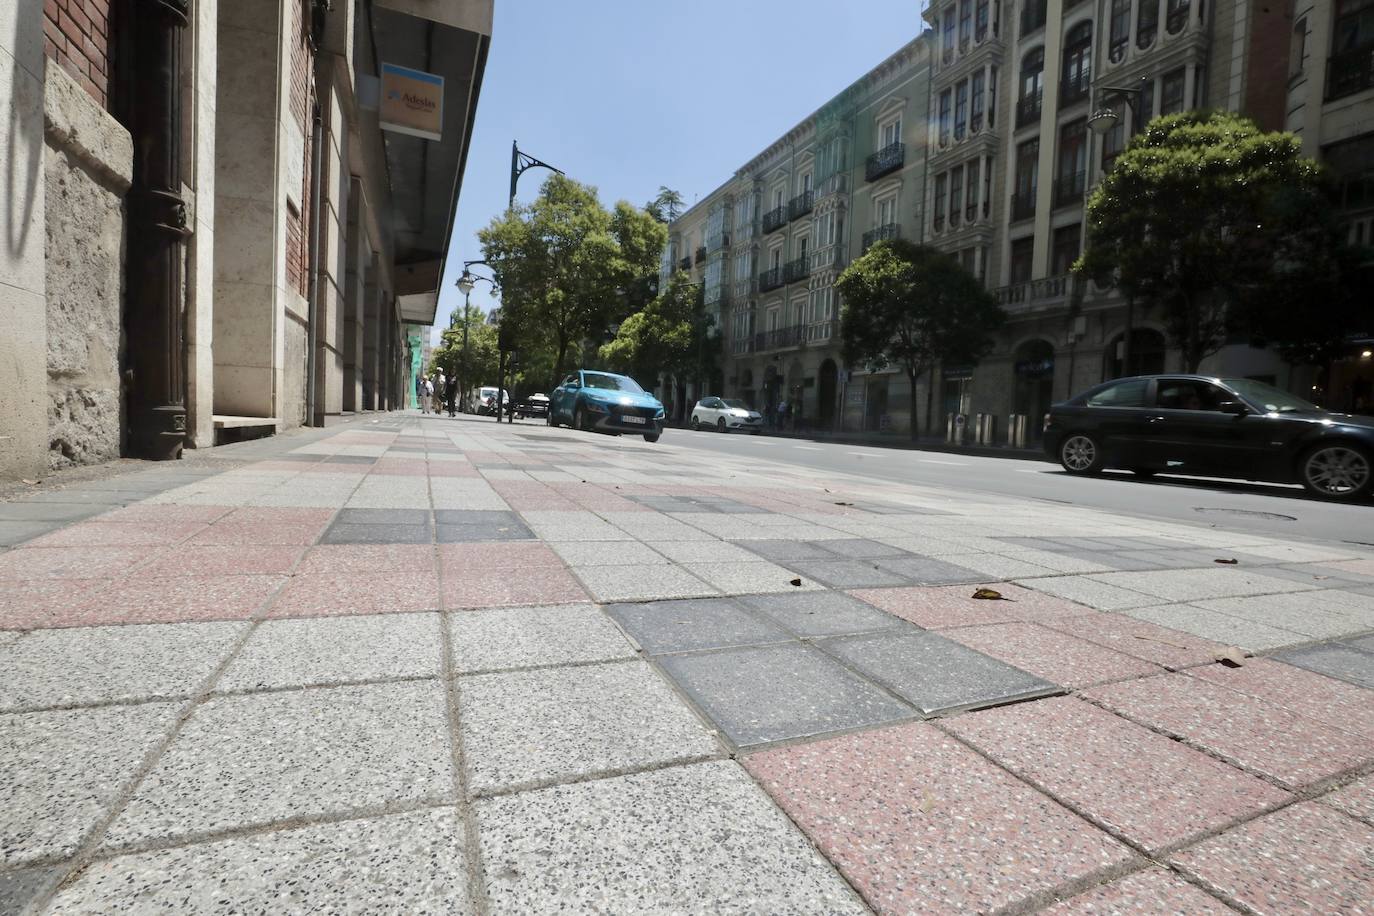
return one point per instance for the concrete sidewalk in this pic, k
(432, 665)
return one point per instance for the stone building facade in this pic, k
(247, 255)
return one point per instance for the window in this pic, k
(948, 43)
(805, 183)
(1176, 15)
(992, 96)
(1171, 92)
(1065, 248)
(980, 20)
(775, 258)
(1120, 30)
(887, 211)
(1032, 15)
(826, 234)
(1146, 23)
(941, 182)
(777, 197)
(976, 96)
(971, 208)
(1078, 52)
(944, 115)
(1354, 28)
(961, 110)
(1130, 393)
(956, 195)
(1114, 140)
(1073, 162)
(890, 133)
(1297, 47)
(1022, 254)
(1027, 178)
(965, 22)
(1199, 86)
(1189, 394)
(1145, 108)
(1032, 87)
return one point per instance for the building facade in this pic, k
(1012, 160)
(207, 230)
(768, 245)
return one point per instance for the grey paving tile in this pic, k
(784, 551)
(823, 613)
(1090, 592)
(403, 863)
(380, 533)
(350, 459)
(92, 497)
(703, 552)
(924, 571)
(850, 574)
(551, 724)
(935, 674)
(525, 637)
(704, 623)
(12, 533)
(1334, 660)
(460, 534)
(642, 583)
(757, 577)
(334, 650)
(695, 839)
(84, 665)
(61, 770)
(48, 512)
(256, 759)
(1195, 584)
(607, 553)
(1320, 576)
(757, 695)
(862, 548)
(1365, 643)
(1301, 612)
(1226, 629)
(383, 516)
(18, 889)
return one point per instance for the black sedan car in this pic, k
(1212, 427)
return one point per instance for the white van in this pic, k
(482, 400)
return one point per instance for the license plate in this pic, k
(639, 420)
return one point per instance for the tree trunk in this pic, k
(915, 426)
(930, 400)
(559, 364)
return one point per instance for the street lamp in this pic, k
(1104, 119)
(465, 284)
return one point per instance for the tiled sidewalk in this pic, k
(444, 666)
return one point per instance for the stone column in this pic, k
(371, 335)
(353, 296)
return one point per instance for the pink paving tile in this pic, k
(30, 603)
(1328, 700)
(1138, 638)
(279, 515)
(452, 469)
(333, 595)
(213, 560)
(953, 605)
(541, 504)
(356, 559)
(118, 534)
(141, 599)
(478, 587)
(1252, 733)
(456, 559)
(1356, 799)
(143, 512)
(1052, 655)
(1152, 892)
(1092, 760)
(1306, 858)
(228, 534)
(297, 466)
(72, 562)
(921, 824)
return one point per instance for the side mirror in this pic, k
(1236, 408)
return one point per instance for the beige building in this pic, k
(221, 216)
(769, 243)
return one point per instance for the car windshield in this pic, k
(610, 382)
(1267, 396)
(736, 404)
(488, 392)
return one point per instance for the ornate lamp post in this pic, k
(465, 284)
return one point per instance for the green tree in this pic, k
(474, 365)
(666, 205)
(911, 306)
(1199, 219)
(664, 336)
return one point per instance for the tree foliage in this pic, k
(568, 268)
(475, 365)
(911, 306)
(666, 205)
(669, 335)
(1201, 219)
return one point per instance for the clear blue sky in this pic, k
(628, 95)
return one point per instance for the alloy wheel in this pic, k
(1336, 471)
(1078, 453)
(720, 425)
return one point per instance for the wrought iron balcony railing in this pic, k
(796, 269)
(1028, 109)
(1023, 205)
(774, 219)
(1074, 89)
(780, 339)
(882, 233)
(801, 204)
(1350, 72)
(885, 161)
(1047, 292)
(701, 254)
(770, 279)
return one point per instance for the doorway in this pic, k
(827, 383)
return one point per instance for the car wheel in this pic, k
(720, 425)
(1080, 453)
(1146, 473)
(651, 437)
(1337, 470)
(548, 418)
(696, 424)
(580, 418)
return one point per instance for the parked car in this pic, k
(1213, 427)
(605, 402)
(483, 400)
(723, 415)
(536, 405)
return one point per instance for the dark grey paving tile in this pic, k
(12, 533)
(350, 459)
(784, 551)
(1049, 544)
(382, 517)
(312, 459)
(695, 623)
(824, 613)
(1122, 560)
(345, 533)
(459, 525)
(1365, 643)
(1317, 574)
(1334, 660)
(926, 571)
(935, 674)
(773, 693)
(93, 497)
(1085, 544)
(852, 574)
(18, 889)
(861, 548)
(48, 512)
(475, 517)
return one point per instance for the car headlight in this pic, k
(660, 414)
(739, 413)
(597, 406)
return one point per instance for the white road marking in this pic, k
(1030, 470)
(808, 448)
(957, 464)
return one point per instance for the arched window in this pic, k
(1077, 74)
(1121, 30)
(1032, 87)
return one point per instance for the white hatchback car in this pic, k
(723, 415)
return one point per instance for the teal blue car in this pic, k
(604, 402)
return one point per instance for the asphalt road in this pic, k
(1273, 510)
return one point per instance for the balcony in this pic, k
(800, 205)
(1028, 109)
(1023, 205)
(835, 184)
(1176, 19)
(685, 264)
(885, 161)
(1035, 295)
(718, 241)
(774, 219)
(770, 279)
(744, 288)
(739, 346)
(1032, 16)
(1350, 72)
(1068, 190)
(882, 233)
(1074, 89)
(796, 269)
(701, 254)
(780, 339)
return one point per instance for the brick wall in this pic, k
(76, 35)
(302, 92)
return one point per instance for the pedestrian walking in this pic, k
(426, 395)
(420, 390)
(439, 393)
(451, 395)
(784, 411)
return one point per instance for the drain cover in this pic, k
(1248, 513)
